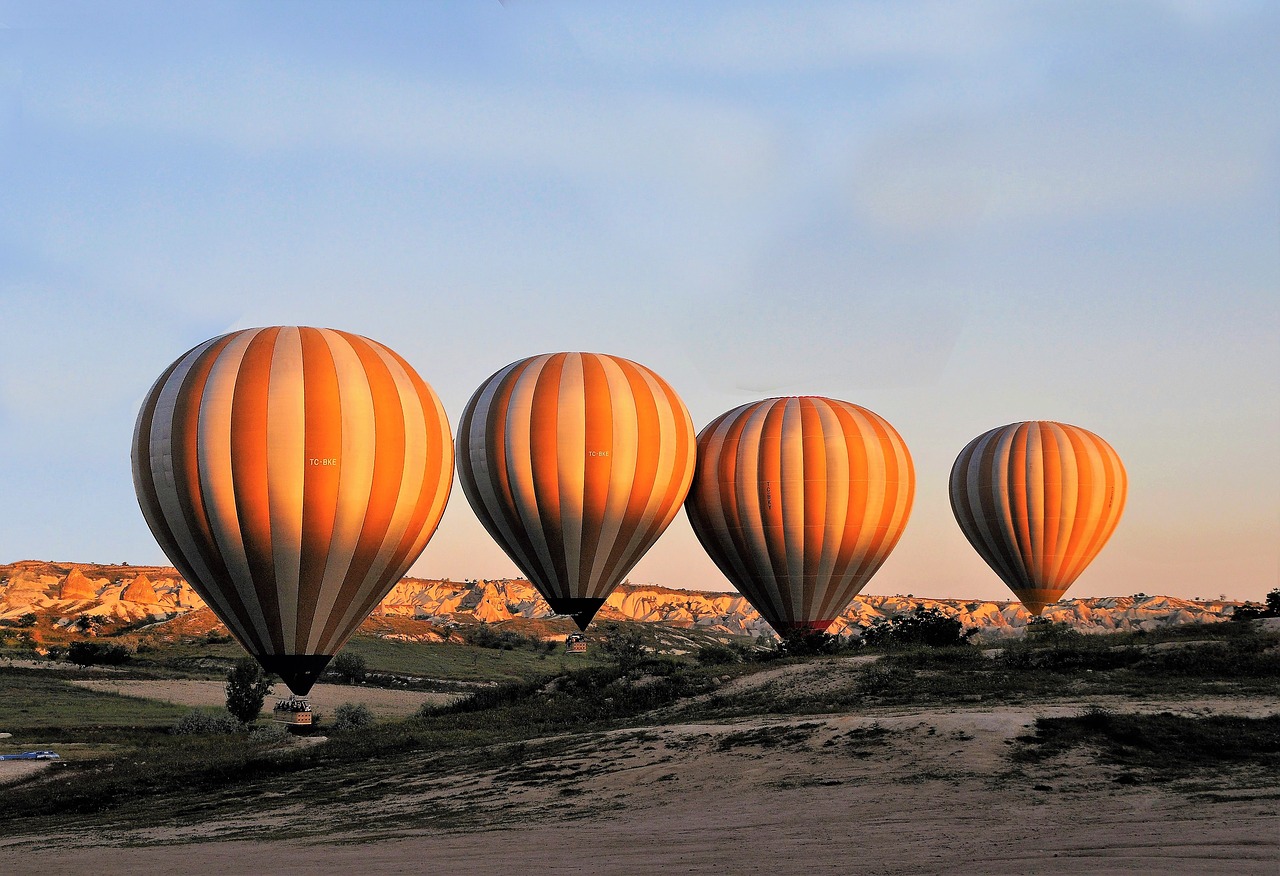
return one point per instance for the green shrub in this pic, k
(717, 655)
(351, 716)
(197, 723)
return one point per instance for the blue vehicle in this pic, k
(31, 755)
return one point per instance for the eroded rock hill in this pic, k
(124, 594)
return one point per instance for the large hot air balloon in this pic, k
(799, 501)
(292, 475)
(575, 463)
(1037, 501)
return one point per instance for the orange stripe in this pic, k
(859, 493)
(250, 478)
(323, 428)
(388, 468)
(543, 441)
(643, 483)
(598, 469)
(815, 496)
(769, 491)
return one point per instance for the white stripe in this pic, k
(519, 462)
(160, 448)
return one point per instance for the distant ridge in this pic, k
(122, 593)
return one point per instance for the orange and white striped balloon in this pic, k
(1037, 501)
(292, 475)
(799, 501)
(575, 463)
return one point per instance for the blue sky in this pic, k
(957, 214)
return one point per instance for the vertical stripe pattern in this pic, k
(799, 501)
(575, 463)
(292, 475)
(1037, 501)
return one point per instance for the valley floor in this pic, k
(885, 791)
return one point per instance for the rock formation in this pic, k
(68, 591)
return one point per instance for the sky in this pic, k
(958, 215)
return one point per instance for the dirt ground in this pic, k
(324, 697)
(895, 792)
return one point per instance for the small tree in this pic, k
(350, 667)
(247, 685)
(624, 645)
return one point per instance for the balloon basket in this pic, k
(295, 714)
(575, 644)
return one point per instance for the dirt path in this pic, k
(325, 697)
(894, 792)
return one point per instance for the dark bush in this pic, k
(920, 626)
(717, 655)
(351, 716)
(623, 645)
(807, 643)
(1253, 611)
(350, 667)
(485, 636)
(97, 654)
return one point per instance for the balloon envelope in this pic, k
(799, 501)
(292, 475)
(575, 463)
(1037, 501)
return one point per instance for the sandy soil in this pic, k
(936, 793)
(12, 770)
(324, 697)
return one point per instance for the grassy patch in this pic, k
(1165, 745)
(33, 701)
(778, 735)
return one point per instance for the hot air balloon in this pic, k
(292, 475)
(799, 501)
(575, 463)
(1037, 501)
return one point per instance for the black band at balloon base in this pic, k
(298, 671)
(581, 610)
(786, 628)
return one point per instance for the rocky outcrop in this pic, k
(139, 593)
(78, 586)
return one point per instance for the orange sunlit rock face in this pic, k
(1037, 501)
(799, 501)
